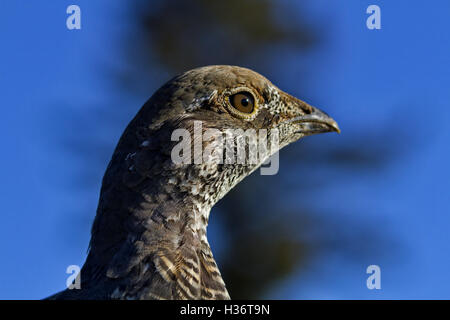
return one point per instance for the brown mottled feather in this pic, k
(149, 235)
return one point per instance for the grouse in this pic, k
(148, 239)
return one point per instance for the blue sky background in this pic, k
(397, 77)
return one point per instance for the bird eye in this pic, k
(243, 102)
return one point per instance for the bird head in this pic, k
(220, 98)
(235, 97)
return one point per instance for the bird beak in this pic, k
(316, 122)
(306, 119)
(309, 120)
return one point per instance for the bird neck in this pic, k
(160, 211)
